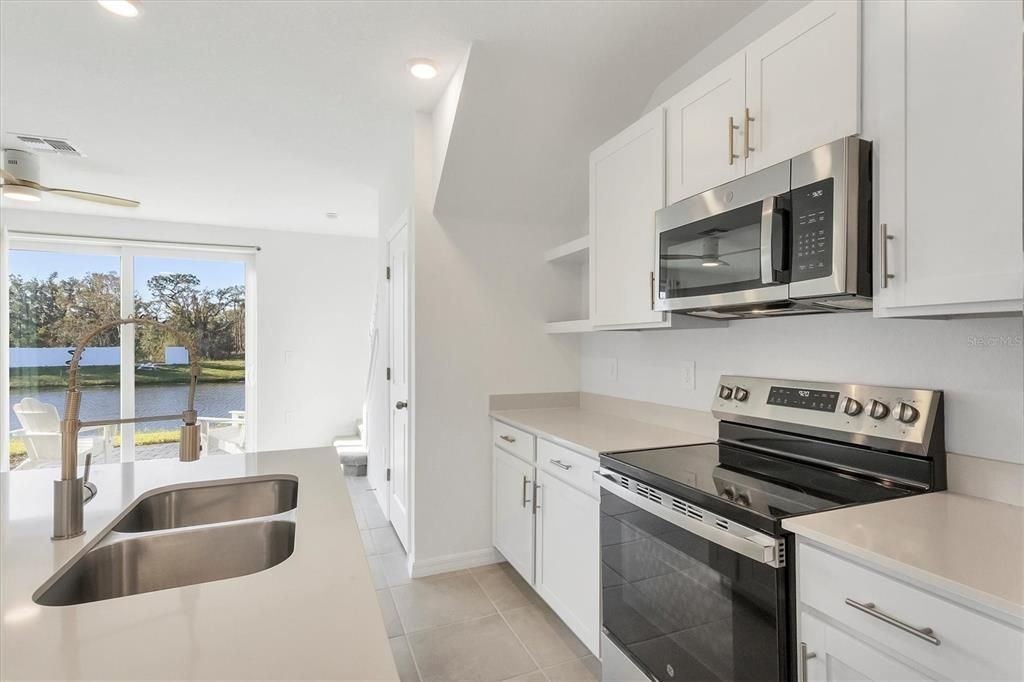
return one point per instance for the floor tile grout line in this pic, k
(510, 628)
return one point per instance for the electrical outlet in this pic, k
(689, 375)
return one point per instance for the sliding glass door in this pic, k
(60, 289)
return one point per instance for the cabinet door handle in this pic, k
(536, 496)
(526, 482)
(747, 118)
(732, 145)
(651, 282)
(560, 464)
(805, 656)
(884, 243)
(870, 609)
(508, 439)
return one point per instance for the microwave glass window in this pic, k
(714, 255)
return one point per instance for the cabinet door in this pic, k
(828, 654)
(568, 556)
(627, 185)
(698, 136)
(962, 229)
(513, 511)
(803, 83)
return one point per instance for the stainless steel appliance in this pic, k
(697, 576)
(794, 238)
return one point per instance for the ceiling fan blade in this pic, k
(680, 256)
(71, 193)
(92, 196)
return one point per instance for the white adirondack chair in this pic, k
(223, 434)
(41, 432)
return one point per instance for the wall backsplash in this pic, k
(978, 362)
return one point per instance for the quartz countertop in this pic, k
(313, 616)
(967, 547)
(592, 433)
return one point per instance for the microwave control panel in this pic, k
(812, 210)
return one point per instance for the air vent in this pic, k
(722, 523)
(650, 493)
(687, 508)
(49, 145)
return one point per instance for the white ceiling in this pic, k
(269, 114)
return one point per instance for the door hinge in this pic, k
(387, 373)
(388, 476)
(387, 272)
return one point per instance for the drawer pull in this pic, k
(561, 465)
(920, 633)
(508, 439)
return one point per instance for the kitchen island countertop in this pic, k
(313, 616)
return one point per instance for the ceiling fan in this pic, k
(19, 179)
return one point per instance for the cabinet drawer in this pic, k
(513, 440)
(572, 467)
(971, 646)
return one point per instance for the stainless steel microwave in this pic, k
(794, 238)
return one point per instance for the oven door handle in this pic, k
(752, 544)
(773, 241)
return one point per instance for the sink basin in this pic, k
(212, 502)
(132, 564)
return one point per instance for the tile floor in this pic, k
(480, 624)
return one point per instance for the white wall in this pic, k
(481, 294)
(977, 362)
(314, 294)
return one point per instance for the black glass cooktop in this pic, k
(748, 486)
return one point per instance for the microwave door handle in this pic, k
(773, 246)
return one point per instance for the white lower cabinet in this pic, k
(568, 563)
(546, 523)
(856, 622)
(828, 654)
(513, 511)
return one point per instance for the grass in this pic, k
(19, 453)
(214, 371)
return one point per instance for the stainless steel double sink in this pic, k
(183, 535)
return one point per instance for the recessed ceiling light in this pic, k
(122, 8)
(332, 215)
(422, 68)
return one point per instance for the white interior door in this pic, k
(399, 493)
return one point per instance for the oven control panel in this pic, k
(895, 418)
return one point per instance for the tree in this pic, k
(210, 317)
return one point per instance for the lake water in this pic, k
(104, 402)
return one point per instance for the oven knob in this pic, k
(743, 500)
(878, 410)
(852, 407)
(907, 414)
(728, 493)
(724, 392)
(741, 394)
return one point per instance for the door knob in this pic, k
(401, 405)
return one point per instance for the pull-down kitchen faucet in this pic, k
(70, 493)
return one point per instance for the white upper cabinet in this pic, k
(802, 83)
(704, 146)
(627, 185)
(942, 103)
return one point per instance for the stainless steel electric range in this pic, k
(695, 579)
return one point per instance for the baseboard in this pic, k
(421, 568)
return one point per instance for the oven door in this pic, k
(684, 599)
(727, 246)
